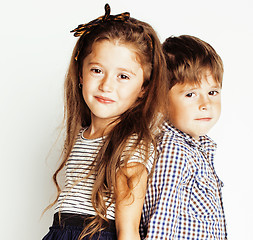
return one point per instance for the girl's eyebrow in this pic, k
(120, 69)
(95, 63)
(127, 70)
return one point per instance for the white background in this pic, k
(35, 51)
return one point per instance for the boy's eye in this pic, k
(189, 95)
(213, 93)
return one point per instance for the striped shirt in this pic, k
(76, 196)
(183, 199)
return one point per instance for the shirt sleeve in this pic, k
(139, 155)
(165, 190)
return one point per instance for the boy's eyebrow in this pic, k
(187, 89)
(216, 86)
(195, 88)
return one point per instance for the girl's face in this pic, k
(112, 80)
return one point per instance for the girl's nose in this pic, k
(106, 84)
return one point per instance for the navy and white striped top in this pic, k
(76, 196)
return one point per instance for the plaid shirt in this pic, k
(183, 199)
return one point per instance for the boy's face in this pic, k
(194, 109)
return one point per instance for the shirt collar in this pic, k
(204, 142)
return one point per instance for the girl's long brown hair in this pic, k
(140, 119)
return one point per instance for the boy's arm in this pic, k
(129, 206)
(167, 182)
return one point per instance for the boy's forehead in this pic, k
(206, 80)
(203, 77)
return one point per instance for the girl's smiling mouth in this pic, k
(105, 100)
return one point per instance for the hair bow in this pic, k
(84, 29)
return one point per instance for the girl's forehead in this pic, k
(103, 43)
(112, 56)
(117, 42)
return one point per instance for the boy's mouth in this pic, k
(207, 119)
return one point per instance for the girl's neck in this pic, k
(97, 129)
(91, 133)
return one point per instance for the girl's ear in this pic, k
(80, 78)
(142, 92)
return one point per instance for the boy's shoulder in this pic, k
(171, 137)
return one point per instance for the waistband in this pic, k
(79, 220)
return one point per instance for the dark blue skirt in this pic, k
(71, 227)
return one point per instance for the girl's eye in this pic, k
(124, 77)
(96, 70)
(189, 95)
(213, 93)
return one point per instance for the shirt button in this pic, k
(201, 149)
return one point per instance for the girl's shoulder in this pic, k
(139, 152)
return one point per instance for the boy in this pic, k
(183, 200)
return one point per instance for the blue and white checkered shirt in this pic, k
(183, 199)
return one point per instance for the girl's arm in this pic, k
(129, 205)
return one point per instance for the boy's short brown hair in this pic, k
(188, 58)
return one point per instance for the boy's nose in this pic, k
(106, 84)
(204, 104)
(203, 107)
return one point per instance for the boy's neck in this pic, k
(197, 138)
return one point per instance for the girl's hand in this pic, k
(129, 203)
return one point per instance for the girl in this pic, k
(114, 91)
